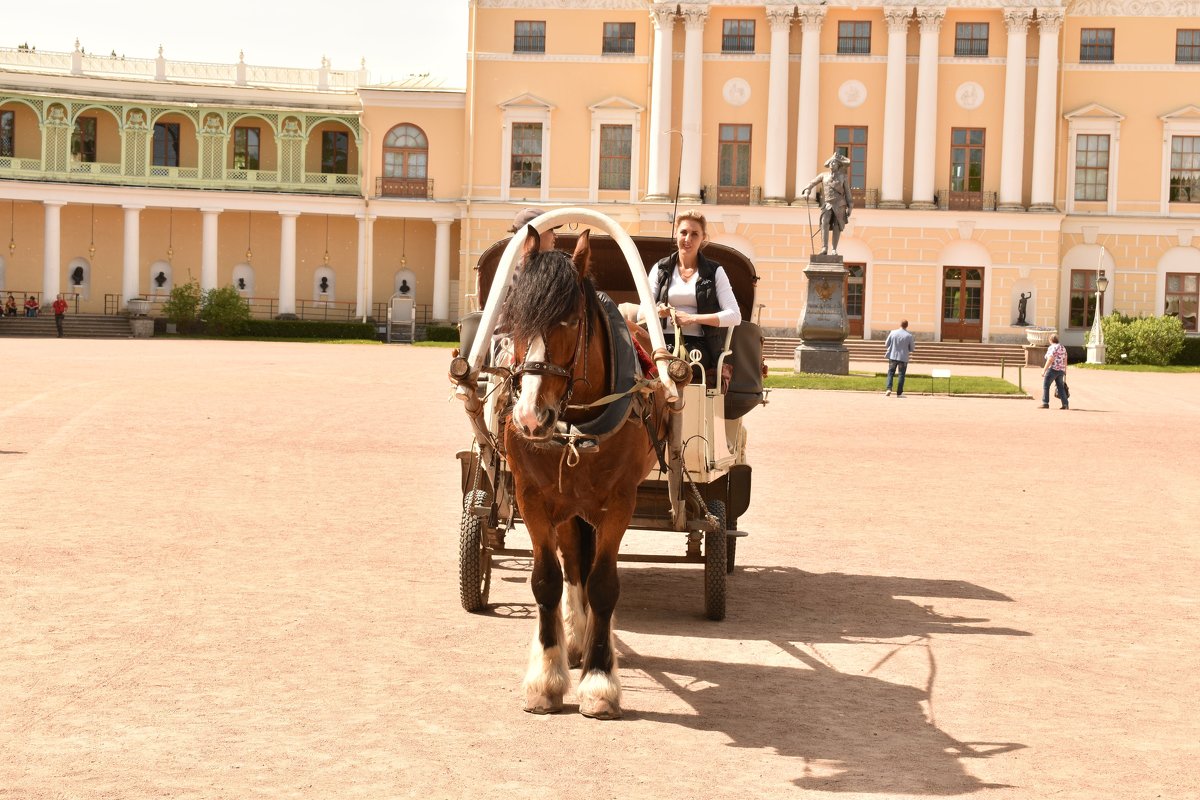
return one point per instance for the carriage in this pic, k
(702, 486)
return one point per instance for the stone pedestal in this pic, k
(142, 327)
(1035, 356)
(823, 326)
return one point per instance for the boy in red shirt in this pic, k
(60, 308)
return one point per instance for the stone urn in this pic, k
(1039, 336)
(138, 306)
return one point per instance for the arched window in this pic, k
(405, 162)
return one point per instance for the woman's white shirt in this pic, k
(682, 295)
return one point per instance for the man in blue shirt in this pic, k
(900, 345)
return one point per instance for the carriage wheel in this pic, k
(715, 552)
(474, 559)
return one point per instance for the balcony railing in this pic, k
(179, 177)
(732, 195)
(420, 188)
(966, 201)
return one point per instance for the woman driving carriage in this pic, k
(696, 290)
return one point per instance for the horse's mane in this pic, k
(545, 294)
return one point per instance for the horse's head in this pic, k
(547, 312)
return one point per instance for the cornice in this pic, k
(1136, 8)
(596, 5)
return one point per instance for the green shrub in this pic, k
(305, 329)
(441, 333)
(183, 305)
(224, 311)
(1189, 356)
(1142, 340)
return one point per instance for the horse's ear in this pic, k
(533, 241)
(583, 252)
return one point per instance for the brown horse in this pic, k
(576, 495)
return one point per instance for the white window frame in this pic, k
(1094, 120)
(524, 109)
(1184, 122)
(615, 111)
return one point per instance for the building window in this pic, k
(737, 36)
(529, 37)
(1096, 44)
(966, 160)
(854, 38)
(83, 140)
(1185, 169)
(335, 152)
(618, 38)
(1183, 297)
(1091, 166)
(166, 144)
(405, 152)
(733, 164)
(616, 152)
(971, 39)
(245, 148)
(852, 143)
(1187, 47)
(8, 133)
(1083, 298)
(526, 155)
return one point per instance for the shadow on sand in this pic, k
(853, 732)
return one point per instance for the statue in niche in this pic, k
(404, 287)
(324, 284)
(241, 284)
(77, 276)
(160, 279)
(1022, 304)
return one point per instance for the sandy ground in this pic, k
(229, 570)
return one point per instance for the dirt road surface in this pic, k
(229, 570)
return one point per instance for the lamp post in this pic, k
(1095, 348)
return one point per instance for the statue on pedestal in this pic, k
(834, 199)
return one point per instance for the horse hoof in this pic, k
(574, 660)
(543, 704)
(599, 708)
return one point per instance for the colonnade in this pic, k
(210, 217)
(808, 112)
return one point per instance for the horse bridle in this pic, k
(567, 372)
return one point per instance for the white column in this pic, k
(52, 252)
(693, 82)
(659, 162)
(208, 247)
(925, 134)
(1045, 122)
(808, 162)
(441, 271)
(1012, 145)
(362, 305)
(287, 262)
(130, 277)
(775, 179)
(895, 108)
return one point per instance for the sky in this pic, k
(398, 38)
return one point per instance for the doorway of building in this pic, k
(962, 304)
(854, 296)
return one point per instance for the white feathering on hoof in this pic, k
(574, 621)
(600, 689)
(547, 673)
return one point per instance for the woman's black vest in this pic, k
(706, 293)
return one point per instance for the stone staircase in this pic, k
(972, 353)
(75, 326)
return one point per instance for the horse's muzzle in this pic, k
(540, 427)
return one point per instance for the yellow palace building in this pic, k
(999, 153)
